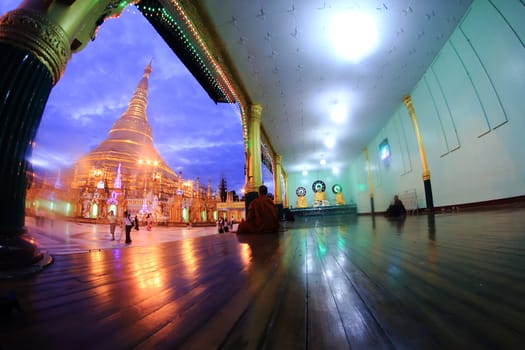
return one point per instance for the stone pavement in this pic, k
(65, 237)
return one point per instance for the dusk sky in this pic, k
(190, 131)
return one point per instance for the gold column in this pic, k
(277, 170)
(370, 183)
(285, 180)
(407, 100)
(408, 103)
(52, 30)
(35, 33)
(254, 175)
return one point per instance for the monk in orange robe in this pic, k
(262, 215)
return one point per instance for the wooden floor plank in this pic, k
(448, 281)
(362, 329)
(289, 323)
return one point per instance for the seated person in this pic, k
(262, 215)
(339, 199)
(319, 196)
(396, 209)
(301, 202)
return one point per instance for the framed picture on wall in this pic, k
(384, 153)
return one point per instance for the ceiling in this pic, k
(284, 53)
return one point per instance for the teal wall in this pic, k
(470, 106)
(328, 177)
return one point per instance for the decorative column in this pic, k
(285, 180)
(36, 41)
(370, 183)
(278, 195)
(426, 173)
(254, 170)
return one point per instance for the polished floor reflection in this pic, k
(449, 281)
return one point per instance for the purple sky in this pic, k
(190, 131)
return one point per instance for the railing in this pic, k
(409, 199)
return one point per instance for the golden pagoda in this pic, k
(125, 171)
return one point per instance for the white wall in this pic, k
(470, 106)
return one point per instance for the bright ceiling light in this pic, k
(329, 142)
(322, 162)
(338, 113)
(354, 35)
(305, 172)
(335, 171)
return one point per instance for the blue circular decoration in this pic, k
(300, 191)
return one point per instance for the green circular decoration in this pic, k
(318, 186)
(337, 188)
(300, 191)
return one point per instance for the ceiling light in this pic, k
(354, 35)
(335, 171)
(322, 162)
(338, 113)
(305, 172)
(329, 142)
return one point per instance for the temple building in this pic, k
(125, 172)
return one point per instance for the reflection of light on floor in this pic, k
(188, 257)
(99, 269)
(147, 275)
(117, 257)
(246, 253)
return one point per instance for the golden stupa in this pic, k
(126, 162)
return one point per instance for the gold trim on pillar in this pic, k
(407, 100)
(285, 180)
(32, 31)
(255, 111)
(254, 149)
(278, 199)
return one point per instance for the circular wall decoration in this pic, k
(318, 186)
(337, 188)
(300, 191)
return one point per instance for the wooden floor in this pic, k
(449, 281)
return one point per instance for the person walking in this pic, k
(128, 222)
(136, 222)
(112, 224)
(148, 222)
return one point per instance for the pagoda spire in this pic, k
(134, 119)
(132, 131)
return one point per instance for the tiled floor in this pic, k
(66, 237)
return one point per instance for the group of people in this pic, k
(129, 223)
(224, 226)
(262, 217)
